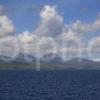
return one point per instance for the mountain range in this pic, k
(49, 61)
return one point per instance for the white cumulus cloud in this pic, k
(82, 27)
(51, 23)
(6, 26)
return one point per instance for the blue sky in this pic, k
(25, 15)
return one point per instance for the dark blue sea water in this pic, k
(50, 85)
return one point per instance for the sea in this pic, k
(50, 85)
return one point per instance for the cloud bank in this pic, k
(52, 35)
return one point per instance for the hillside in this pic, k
(55, 63)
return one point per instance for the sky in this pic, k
(65, 27)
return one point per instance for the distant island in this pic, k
(54, 64)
